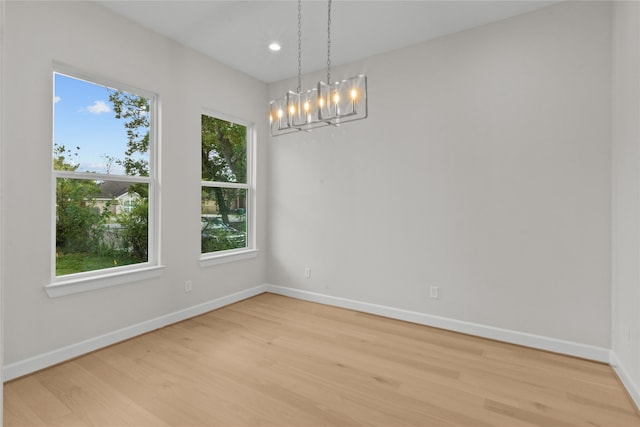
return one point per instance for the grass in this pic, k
(69, 263)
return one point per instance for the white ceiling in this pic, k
(237, 33)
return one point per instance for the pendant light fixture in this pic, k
(327, 104)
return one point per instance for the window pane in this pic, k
(224, 151)
(100, 224)
(223, 222)
(99, 129)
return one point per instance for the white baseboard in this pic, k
(51, 358)
(629, 384)
(32, 364)
(570, 348)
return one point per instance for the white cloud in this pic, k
(56, 99)
(98, 107)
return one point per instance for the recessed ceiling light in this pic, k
(275, 47)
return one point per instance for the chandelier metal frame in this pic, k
(324, 105)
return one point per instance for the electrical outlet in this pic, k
(188, 286)
(434, 292)
(307, 272)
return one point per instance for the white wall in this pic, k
(626, 193)
(86, 36)
(1, 204)
(484, 168)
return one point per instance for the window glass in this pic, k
(101, 164)
(103, 129)
(224, 219)
(224, 151)
(225, 189)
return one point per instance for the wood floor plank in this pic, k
(277, 361)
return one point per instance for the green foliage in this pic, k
(136, 229)
(224, 150)
(217, 243)
(218, 236)
(83, 240)
(224, 158)
(62, 158)
(134, 110)
(79, 222)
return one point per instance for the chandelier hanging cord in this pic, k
(299, 46)
(329, 42)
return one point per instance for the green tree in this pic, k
(79, 222)
(135, 224)
(224, 158)
(134, 110)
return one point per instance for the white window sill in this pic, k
(76, 284)
(208, 260)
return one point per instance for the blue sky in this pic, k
(83, 117)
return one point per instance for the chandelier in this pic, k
(326, 104)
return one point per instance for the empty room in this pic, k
(306, 213)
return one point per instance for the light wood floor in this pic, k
(276, 361)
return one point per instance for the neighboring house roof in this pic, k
(113, 189)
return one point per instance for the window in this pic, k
(104, 175)
(226, 193)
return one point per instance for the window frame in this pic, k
(96, 279)
(250, 251)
